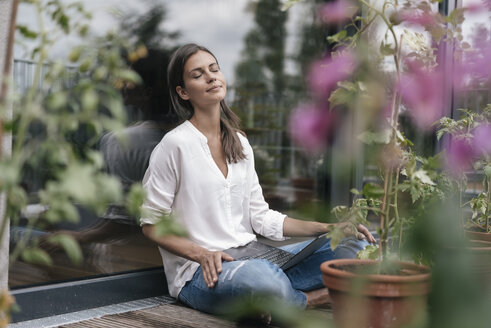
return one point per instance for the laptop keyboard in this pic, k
(276, 256)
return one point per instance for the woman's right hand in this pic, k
(211, 265)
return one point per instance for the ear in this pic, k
(182, 93)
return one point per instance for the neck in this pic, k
(207, 121)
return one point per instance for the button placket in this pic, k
(228, 201)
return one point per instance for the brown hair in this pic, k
(229, 122)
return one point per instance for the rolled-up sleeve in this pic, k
(264, 221)
(160, 183)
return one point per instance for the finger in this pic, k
(206, 275)
(208, 270)
(227, 257)
(213, 269)
(367, 233)
(361, 236)
(218, 262)
(371, 238)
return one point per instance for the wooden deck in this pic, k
(166, 315)
(173, 316)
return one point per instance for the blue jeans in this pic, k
(257, 278)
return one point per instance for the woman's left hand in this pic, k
(361, 233)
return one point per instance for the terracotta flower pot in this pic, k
(480, 254)
(376, 300)
(476, 235)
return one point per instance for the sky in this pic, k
(219, 25)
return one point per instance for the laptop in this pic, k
(285, 260)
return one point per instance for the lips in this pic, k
(213, 88)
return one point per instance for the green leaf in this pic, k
(287, 5)
(487, 171)
(70, 246)
(16, 198)
(110, 190)
(96, 158)
(134, 200)
(371, 138)
(387, 49)
(371, 190)
(340, 211)
(85, 65)
(89, 99)
(26, 32)
(338, 37)
(128, 75)
(9, 173)
(63, 21)
(62, 211)
(354, 191)
(336, 236)
(422, 176)
(100, 73)
(370, 252)
(115, 106)
(36, 256)
(57, 101)
(74, 54)
(343, 94)
(168, 226)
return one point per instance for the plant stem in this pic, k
(389, 26)
(385, 212)
(396, 212)
(462, 223)
(3, 93)
(7, 65)
(488, 180)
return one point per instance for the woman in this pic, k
(203, 173)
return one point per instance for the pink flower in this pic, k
(310, 127)
(478, 63)
(481, 141)
(478, 7)
(459, 156)
(417, 17)
(337, 11)
(324, 74)
(422, 91)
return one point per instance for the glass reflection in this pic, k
(265, 58)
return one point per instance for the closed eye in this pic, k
(214, 67)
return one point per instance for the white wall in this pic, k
(5, 10)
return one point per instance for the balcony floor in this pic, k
(167, 315)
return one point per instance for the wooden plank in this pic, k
(171, 316)
(167, 315)
(186, 316)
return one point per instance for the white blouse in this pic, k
(217, 212)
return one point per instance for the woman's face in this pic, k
(204, 83)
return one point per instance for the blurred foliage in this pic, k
(463, 129)
(253, 312)
(56, 124)
(416, 201)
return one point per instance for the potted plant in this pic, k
(354, 88)
(469, 163)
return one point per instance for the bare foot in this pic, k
(318, 298)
